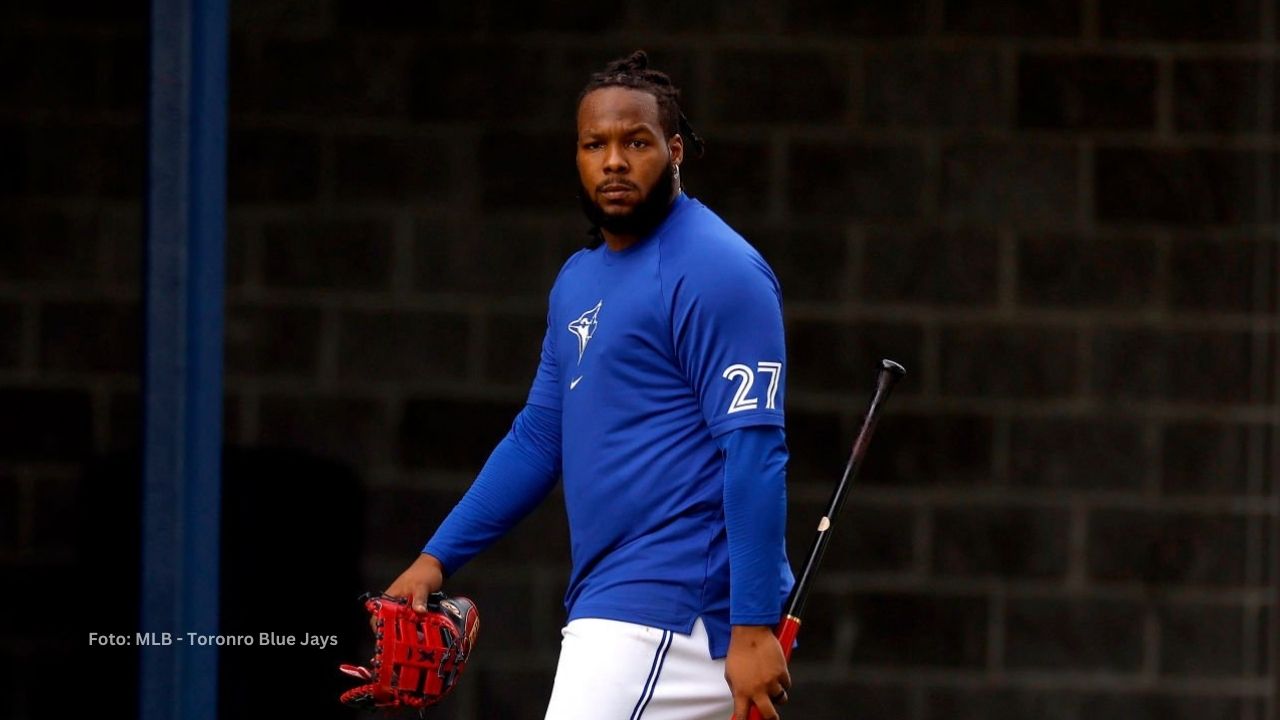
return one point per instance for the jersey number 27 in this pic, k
(747, 378)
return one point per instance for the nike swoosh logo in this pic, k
(574, 383)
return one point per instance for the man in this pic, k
(659, 399)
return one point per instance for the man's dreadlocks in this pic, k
(634, 72)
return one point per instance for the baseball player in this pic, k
(659, 401)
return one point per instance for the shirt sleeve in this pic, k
(519, 473)
(726, 318)
(755, 515)
(545, 391)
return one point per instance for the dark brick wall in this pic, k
(1061, 216)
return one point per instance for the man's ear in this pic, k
(676, 147)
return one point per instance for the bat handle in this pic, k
(786, 632)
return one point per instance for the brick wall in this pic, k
(1060, 216)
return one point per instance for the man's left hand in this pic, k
(756, 671)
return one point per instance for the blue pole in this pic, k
(182, 393)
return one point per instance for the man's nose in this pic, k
(615, 161)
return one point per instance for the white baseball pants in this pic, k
(611, 670)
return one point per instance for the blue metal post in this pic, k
(182, 403)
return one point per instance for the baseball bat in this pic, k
(888, 374)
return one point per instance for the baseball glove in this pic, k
(417, 657)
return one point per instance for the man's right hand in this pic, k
(423, 577)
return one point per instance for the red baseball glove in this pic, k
(418, 657)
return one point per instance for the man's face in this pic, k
(624, 160)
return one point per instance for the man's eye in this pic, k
(592, 146)
(639, 143)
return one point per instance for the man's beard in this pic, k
(644, 216)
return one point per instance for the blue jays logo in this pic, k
(585, 327)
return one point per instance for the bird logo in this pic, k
(585, 327)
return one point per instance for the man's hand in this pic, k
(423, 577)
(756, 671)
